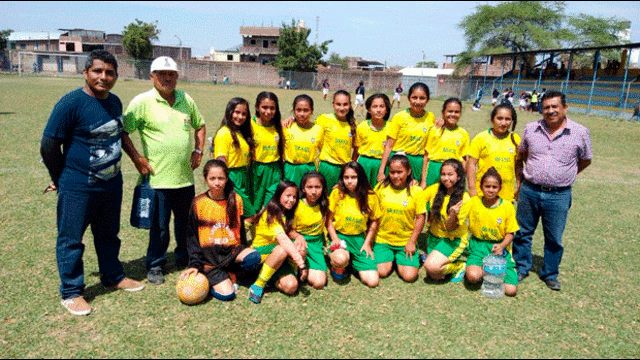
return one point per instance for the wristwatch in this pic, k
(197, 151)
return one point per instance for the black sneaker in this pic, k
(155, 277)
(553, 284)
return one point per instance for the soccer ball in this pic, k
(193, 289)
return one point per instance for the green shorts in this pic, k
(433, 172)
(265, 178)
(359, 260)
(450, 248)
(479, 249)
(295, 172)
(331, 173)
(287, 268)
(385, 253)
(315, 252)
(416, 162)
(371, 167)
(242, 186)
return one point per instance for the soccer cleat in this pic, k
(255, 294)
(77, 306)
(338, 274)
(459, 275)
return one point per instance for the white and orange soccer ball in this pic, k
(193, 290)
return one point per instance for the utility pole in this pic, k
(317, 28)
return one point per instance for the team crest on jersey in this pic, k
(349, 134)
(313, 140)
(405, 203)
(277, 138)
(511, 151)
(384, 143)
(457, 142)
(424, 130)
(220, 234)
(499, 221)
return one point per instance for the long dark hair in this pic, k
(275, 210)
(323, 201)
(458, 190)
(514, 119)
(275, 121)
(404, 161)
(244, 129)
(229, 193)
(351, 118)
(387, 103)
(363, 188)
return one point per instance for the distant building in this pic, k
(231, 55)
(358, 63)
(259, 44)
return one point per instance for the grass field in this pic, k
(597, 313)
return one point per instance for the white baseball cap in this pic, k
(164, 63)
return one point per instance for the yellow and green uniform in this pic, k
(410, 134)
(370, 143)
(497, 152)
(265, 241)
(399, 211)
(489, 226)
(449, 243)
(337, 147)
(351, 225)
(301, 150)
(266, 170)
(166, 135)
(445, 144)
(308, 221)
(238, 160)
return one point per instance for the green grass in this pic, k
(595, 315)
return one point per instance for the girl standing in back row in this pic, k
(371, 135)
(407, 131)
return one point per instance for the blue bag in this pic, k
(144, 204)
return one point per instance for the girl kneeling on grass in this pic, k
(355, 213)
(449, 205)
(403, 217)
(492, 222)
(309, 224)
(275, 246)
(216, 240)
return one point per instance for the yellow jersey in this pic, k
(399, 211)
(338, 139)
(223, 146)
(410, 132)
(266, 233)
(308, 219)
(497, 152)
(437, 226)
(266, 139)
(492, 224)
(347, 218)
(301, 145)
(371, 142)
(445, 144)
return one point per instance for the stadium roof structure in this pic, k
(560, 50)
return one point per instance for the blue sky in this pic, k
(395, 32)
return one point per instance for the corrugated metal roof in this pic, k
(39, 35)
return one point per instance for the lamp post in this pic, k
(180, 45)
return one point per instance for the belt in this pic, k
(546, 188)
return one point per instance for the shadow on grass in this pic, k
(6, 113)
(134, 269)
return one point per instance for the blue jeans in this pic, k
(553, 207)
(179, 202)
(75, 211)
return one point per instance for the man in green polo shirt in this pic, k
(165, 117)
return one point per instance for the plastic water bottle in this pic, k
(494, 269)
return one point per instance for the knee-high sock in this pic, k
(265, 275)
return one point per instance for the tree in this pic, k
(136, 40)
(335, 58)
(427, 64)
(4, 38)
(295, 53)
(594, 31)
(512, 27)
